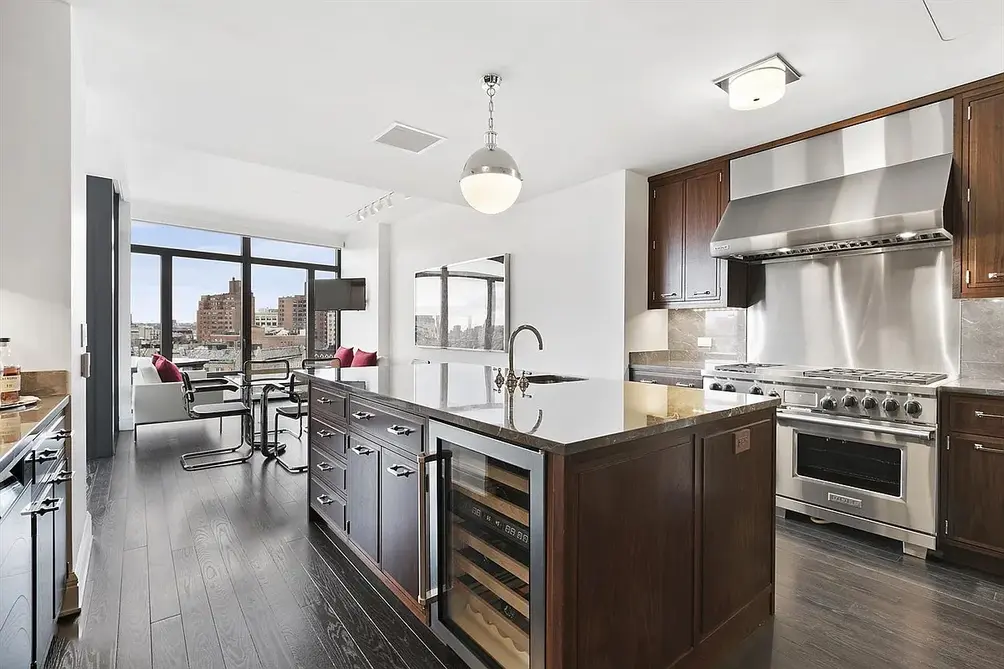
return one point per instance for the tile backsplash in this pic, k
(725, 328)
(983, 338)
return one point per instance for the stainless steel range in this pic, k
(856, 447)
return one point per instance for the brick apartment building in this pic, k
(220, 314)
(293, 312)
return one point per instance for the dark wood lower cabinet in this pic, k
(399, 531)
(363, 507)
(16, 586)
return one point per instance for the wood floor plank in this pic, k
(201, 638)
(105, 574)
(134, 615)
(169, 644)
(164, 591)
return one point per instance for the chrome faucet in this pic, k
(511, 380)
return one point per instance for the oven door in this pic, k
(883, 472)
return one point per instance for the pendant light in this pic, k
(491, 181)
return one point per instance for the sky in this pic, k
(193, 277)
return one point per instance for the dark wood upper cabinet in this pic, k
(683, 214)
(982, 168)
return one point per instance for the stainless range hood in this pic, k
(819, 195)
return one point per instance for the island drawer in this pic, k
(328, 437)
(325, 402)
(331, 471)
(394, 427)
(976, 415)
(329, 504)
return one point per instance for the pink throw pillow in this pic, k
(344, 356)
(167, 370)
(364, 359)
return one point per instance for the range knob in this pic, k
(715, 386)
(912, 407)
(849, 401)
(729, 388)
(756, 390)
(828, 403)
(774, 393)
(890, 405)
(869, 402)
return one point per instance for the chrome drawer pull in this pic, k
(323, 400)
(686, 385)
(707, 292)
(324, 466)
(400, 470)
(60, 477)
(324, 434)
(46, 454)
(981, 447)
(325, 499)
(993, 276)
(363, 415)
(43, 506)
(400, 430)
(669, 294)
(980, 414)
(361, 450)
(62, 434)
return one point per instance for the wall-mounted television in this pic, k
(340, 294)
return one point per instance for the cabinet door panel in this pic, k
(399, 500)
(15, 583)
(363, 495)
(984, 138)
(975, 489)
(703, 211)
(736, 554)
(666, 252)
(45, 568)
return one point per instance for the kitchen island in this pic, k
(586, 523)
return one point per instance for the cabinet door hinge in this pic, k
(948, 442)
(967, 277)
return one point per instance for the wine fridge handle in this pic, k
(427, 593)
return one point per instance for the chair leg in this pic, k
(292, 469)
(196, 466)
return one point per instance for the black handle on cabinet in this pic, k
(325, 467)
(363, 415)
(400, 470)
(325, 499)
(400, 430)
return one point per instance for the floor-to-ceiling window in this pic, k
(225, 299)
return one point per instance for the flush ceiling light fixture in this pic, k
(759, 84)
(491, 181)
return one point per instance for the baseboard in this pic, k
(73, 593)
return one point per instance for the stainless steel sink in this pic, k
(552, 378)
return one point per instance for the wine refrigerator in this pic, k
(486, 548)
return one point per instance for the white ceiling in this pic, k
(252, 89)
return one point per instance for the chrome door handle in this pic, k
(400, 430)
(324, 434)
(669, 294)
(400, 471)
(981, 447)
(361, 450)
(645, 381)
(993, 276)
(324, 466)
(363, 415)
(707, 292)
(324, 500)
(323, 400)
(980, 414)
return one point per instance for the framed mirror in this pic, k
(464, 305)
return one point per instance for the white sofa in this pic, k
(154, 401)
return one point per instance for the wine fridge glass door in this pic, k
(489, 553)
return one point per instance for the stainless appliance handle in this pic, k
(834, 422)
(981, 447)
(426, 593)
(980, 414)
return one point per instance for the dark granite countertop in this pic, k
(563, 418)
(19, 427)
(975, 386)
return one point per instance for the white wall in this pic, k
(366, 254)
(567, 275)
(35, 181)
(123, 296)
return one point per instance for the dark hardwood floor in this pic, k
(220, 569)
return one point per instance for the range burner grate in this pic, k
(876, 375)
(745, 367)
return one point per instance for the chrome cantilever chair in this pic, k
(220, 410)
(295, 411)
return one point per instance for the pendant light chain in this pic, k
(491, 135)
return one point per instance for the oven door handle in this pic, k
(926, 435)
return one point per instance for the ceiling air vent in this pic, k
(406, 137)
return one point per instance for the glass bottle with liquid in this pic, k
(10, 374)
